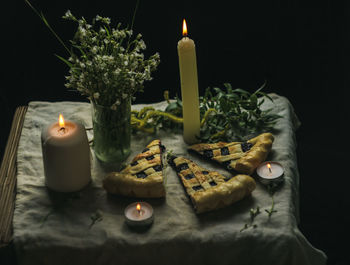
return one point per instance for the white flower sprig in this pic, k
(106, 65)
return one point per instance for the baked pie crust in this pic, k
(143, 177)
(243, 157)
(210, 190)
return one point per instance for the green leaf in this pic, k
(64, 60)
(106, 29)
(81, 50)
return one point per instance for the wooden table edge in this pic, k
(8, 177)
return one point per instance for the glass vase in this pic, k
(112, 132)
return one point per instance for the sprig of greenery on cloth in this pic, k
(272, 188)
(234, 114)
(253, 213)
(226, 115)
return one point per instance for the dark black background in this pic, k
(300, 47)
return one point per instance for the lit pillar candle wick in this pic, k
(61, 123)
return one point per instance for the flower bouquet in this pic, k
(107, 65)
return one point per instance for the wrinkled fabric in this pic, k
(51, 228)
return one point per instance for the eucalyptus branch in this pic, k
(238, 114)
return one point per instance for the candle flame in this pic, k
(138, 207)
(184, 28)
(269, 167)
(61, 121)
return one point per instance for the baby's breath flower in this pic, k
(96, 95)
(68, 15)
(94, 49)
(108, 67)
(82, 31)
(142, 45)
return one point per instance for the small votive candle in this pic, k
(139, 214)
(270, 172)
(66, 156)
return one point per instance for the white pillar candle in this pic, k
(189, 87)
(66, 156)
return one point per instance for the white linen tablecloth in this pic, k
(52, 228)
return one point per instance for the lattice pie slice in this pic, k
(143, 178)
(210, 190)
(244, 157)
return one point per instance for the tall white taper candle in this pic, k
(189, 87)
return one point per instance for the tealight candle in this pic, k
(139, 214)
(66, 156)
(270, 172)
(189, 87)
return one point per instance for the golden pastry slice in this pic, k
(143, 177)
(210, 190)
(244, 157)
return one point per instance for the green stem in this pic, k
(206, 115)
(167, 115)
(41, 15)
(272, 209)
(134, 15)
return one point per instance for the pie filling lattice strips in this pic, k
(143, 177)
(210, 190)
(243, 157)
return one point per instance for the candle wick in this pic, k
(62, 130)
(270, 170)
